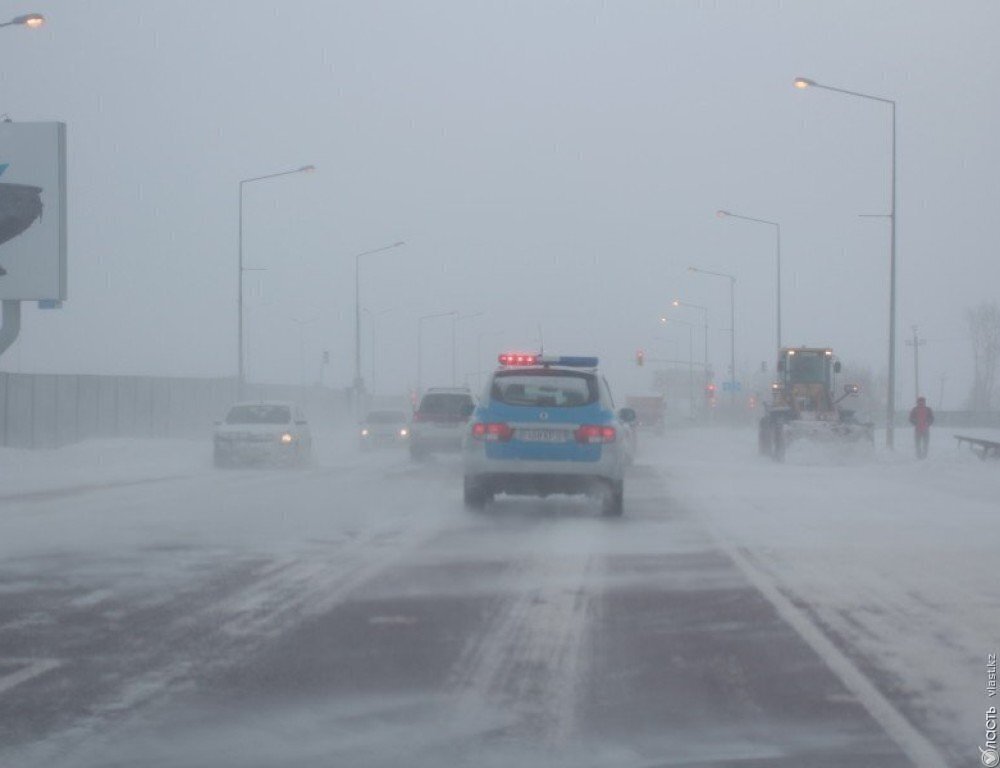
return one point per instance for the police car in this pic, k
(546, 425)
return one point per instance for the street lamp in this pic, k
(704, 311)
(241, 373)
(802, 83)
(454, 343)
(29, 20)
(358, 381)
(777, 260)
(732, 323)
(420, 344)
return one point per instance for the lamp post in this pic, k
(241, 373)
(691, 388)
(29, 20)
(777, 260)
(420, 345)
(454, 343)
(802, 83)
(704, 311)
(732, 324)
(358, 380)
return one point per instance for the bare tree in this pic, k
(984, 333)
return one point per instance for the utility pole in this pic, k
(916, 343)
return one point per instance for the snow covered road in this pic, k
(742, 613)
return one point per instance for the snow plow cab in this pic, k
(804, 404)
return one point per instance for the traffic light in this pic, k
(710, 391)
(640, 357)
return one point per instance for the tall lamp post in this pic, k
(241, 372)
(732, 324)
(420, 345)
(358, 380)
(29, 20)
(777, 260)
(704, 312)
(802, 83)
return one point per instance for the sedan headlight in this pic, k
(364, 433)
(287, 438)
(404, 432)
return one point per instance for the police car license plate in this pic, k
(542, 435)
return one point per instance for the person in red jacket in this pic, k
(921, 417)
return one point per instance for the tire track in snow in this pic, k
(529, 657)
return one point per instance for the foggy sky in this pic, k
(554, 165)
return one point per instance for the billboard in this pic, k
(33, 211)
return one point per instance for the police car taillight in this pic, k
(595, 433)
(494, 432)
(517, 358)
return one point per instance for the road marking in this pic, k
(30, 668)
(913, 744)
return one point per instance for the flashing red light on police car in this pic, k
(494, 432)
(517, 358)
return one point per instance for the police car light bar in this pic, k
(513, 359)
(517, 358)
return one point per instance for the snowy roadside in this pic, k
(99, 462)
(893, 557)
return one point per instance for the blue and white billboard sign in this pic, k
(33, 211)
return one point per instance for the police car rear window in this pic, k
(546, 389)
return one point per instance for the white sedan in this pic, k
(263, 432)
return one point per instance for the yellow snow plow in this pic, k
(804, 405)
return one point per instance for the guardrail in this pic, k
(49, 410)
